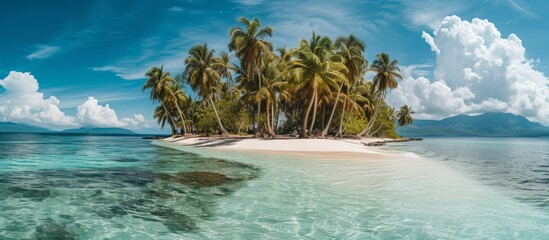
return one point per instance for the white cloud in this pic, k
(90, 113)
(521, 8)
(416, 70)
(249, 2)
(423, 13)
(127, 73)
(22, 102)
(42, 52)
(430, 99)
(431, 41)
(175, 9)
(477, 70)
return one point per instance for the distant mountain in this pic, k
(21, 128)
(10, 127)
(154, 131)
(484, 125)
(99, 131)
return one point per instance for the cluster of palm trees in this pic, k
(315, 89)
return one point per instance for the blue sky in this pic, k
(101, 49)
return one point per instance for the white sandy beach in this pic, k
(311, 147)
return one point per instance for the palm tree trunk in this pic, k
(273, 124)
(252, 121)
(325, 130)
(258, 126)
(323, 115)
(258, 130)
(239, 127)
(268, 122)
(340, 130)
(304, 129)
(314, 113)
(348, 119)
(180, 113)
(277, 116)
(170, 119)
(174, 130)
(183, 127)
(224, 132)
(377, 130)
(229, 81)
(372, 120)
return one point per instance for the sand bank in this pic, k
(308, 147)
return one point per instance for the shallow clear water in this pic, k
(86, 187)
(92, 187)
(519, 167)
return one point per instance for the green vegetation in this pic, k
(316, 89)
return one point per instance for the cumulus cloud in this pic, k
(90, 113)
(477, 70)
(416, 70)
(43, 51)
(22, 102)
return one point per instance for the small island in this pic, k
(318, 89)
(255, 119)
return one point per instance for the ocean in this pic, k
(100, 187)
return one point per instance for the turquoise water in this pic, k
(88, 187)
(519, 167)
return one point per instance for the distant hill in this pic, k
(21, 128)
(10, 127)
(154, 131)
(484, 125)
(99, 131)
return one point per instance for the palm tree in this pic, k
(162, 116)
(314, 71)
(404, 116)
(356, 99)
(351, 49)
(386, 74)
(282, 78)
(391, 114)
(226, 68)
(161, 85)
(176, 99)
(272, 89)
(203, 77)
(190, 107)
(250, 47)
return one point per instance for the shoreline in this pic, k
(318, 148)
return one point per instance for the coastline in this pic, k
(321, 148)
